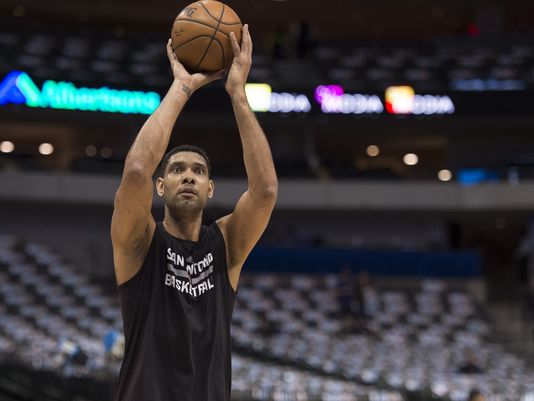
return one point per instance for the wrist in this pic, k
(185, 86)
(237, 95)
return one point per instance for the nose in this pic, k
(187, 178)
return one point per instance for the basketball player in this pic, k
(177, 279)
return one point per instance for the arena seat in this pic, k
(287, 331)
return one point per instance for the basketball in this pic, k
(200, 36)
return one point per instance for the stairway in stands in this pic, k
(512, 328)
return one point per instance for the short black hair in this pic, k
(183, 148)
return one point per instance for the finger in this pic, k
(208, 77)
(235, 45)
(246, 41)
(216, 75)
(170, 52)
(172, 56)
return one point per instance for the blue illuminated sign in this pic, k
(473, 176)
(18, 88)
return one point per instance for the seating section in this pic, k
(45, 302)
(290, 339)
(93, 59)
(257, 380)
(439, 65)
(412, 338)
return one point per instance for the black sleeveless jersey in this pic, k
(176, 314)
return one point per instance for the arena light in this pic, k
(261, 98)
(431, 104)
(258, 96)
(90, 150)
(373, 150)
(106, 152)
(404, 100)
(400, 99)
(445, 175)
(323, 92)
(333, 100)
(7, 147)
(289, 103)
(46, 149)
(18, 88)
(410, 159)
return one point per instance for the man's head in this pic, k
(184, 179)
(183, 148)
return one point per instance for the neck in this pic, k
(182, 225)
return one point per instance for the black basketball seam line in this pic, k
(212, 37)
(233, 23)
(190, 40)
(201, 23)
(223, 23)
(222, 51)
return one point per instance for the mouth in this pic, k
(187, 192)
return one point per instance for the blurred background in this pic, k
(399, 262)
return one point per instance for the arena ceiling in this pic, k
(349, 20)
(437, 140)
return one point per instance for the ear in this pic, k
(211, 189)
(160, 189)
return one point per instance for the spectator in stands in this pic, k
(470, 366)
(300, 39)
(529, 308)
(476, 395)
(360, 290)
(525, 255)
(268, 328)
(345, 291)
(277, 43)
(365, 301)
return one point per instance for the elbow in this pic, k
(139, 165)
(136, 172)
(271, 190)
(268, 192)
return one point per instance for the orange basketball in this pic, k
(201, 35)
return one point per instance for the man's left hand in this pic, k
(238, 74)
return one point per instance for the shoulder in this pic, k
(128, 260)
(221, 225)
(222, 222)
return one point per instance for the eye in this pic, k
(176, 169)
(200, 171)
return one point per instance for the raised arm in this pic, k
(243, 228)
(132, 224)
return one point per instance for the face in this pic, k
(186, 185)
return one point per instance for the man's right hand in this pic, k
(191, 82)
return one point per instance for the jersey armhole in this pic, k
(234, 292)
(150, 249)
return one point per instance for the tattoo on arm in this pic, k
(186, 90)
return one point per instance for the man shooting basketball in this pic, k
(177, 279)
